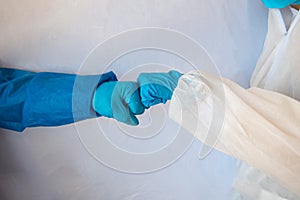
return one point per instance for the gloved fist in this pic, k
(118, 100)
(157, 88)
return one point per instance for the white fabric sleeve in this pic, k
(257, 126)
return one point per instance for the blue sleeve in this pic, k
(49, 99)
(13, 85)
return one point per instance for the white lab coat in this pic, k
(278, 68)
(260, 126)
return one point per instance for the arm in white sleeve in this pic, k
(257, 126)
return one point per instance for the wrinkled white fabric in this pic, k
(252, 184)
(260, 127)
(278, 66)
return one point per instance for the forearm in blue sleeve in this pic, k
(13, 85)
(54, 99)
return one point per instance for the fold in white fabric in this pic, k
(257, 126)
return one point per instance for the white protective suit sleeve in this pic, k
(258, 126)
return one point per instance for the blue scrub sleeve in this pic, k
(31, 99)
(13, 85)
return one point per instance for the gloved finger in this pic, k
(135, 104)
(122, 113)
(167, 79)
(132, 98)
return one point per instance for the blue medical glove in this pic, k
(279, 3)
(118, 100)
(157, 88)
